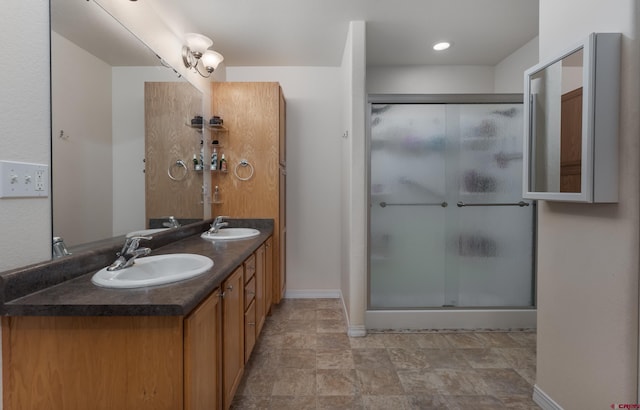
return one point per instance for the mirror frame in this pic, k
(600, 107)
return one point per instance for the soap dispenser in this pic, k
(216, 195)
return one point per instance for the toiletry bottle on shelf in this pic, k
(214, 159)
(223, 164)
(196, 164)
(216, 195)
(201, 154)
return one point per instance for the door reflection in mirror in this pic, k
(556, 113)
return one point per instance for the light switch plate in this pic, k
(23, 179)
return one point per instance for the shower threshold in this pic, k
(454, 319)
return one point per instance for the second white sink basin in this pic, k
(227, 234)
(154, 270)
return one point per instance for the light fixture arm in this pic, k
(191, 59)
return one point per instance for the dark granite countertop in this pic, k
(75, 295)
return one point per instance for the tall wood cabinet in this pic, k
(168, 108)
(254, 116)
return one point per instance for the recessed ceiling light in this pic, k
(441, 46)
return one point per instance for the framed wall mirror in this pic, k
(571, 123)
(120, 124)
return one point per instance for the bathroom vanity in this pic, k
(74, 345)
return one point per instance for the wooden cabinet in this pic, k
(126, 362)
(249, 330)
(255, 117)
(233, 332)
(261, 289)
(268, 275)
(168, 137)
(202, 349)
(250, 300)
(188, 362)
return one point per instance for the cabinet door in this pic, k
(260, 290)
(268, 274)
(249, 330)
(233, 334)
(281, 265)
(282, 134)
(51, 362)
(202, 355)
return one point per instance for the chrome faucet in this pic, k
(218, 223)
(59, 248)
(172, 223)
(129, 253)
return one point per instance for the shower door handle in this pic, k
(442, 204)
(520, 204)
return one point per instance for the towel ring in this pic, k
(243, 163)
(178, 163)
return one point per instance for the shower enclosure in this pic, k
(449, 232)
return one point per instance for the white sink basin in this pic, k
(228, 234)
(154, 270)
(145, 232)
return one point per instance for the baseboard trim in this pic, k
(313, 294)
(356, 331)
(543, 400)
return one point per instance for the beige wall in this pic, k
(356, 273)
(588, 254)
(508, 74)
(81, 107)
(24, 126)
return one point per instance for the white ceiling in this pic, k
(313, 32)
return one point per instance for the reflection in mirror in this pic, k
(556, 114)
(115, 106)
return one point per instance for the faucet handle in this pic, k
(172, 222)
(132, 243)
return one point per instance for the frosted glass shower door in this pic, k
(408, 206)
(490, 244)
(447, 225)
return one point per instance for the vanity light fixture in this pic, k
(196, 52)
(441, 46)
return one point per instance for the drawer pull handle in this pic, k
(251, 324)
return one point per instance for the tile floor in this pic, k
(305, 360)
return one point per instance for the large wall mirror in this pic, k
(571, 123)
(120, 129)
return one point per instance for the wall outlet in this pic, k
(22, 179)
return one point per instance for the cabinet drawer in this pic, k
(249, 330)
(249, 292)
(249, 267)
